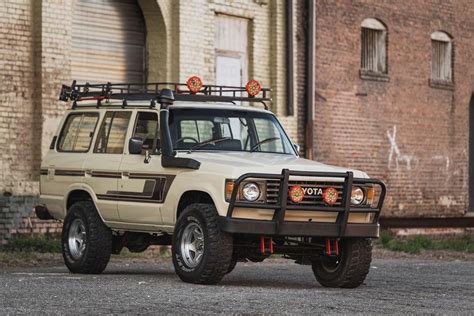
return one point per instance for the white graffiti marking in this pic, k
(408, 160)
(445, 158)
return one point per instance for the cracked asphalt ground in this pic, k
(392, 286)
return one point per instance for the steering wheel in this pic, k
(180, 140)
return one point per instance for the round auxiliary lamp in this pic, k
(194, 84)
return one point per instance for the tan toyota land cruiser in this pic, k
(201, 168)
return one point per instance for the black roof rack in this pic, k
(151, 91)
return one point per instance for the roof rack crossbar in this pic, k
(151, 91)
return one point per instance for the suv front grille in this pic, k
(273, 189)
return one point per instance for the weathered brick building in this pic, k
(393, 85)
(382, 86)
(46, 43)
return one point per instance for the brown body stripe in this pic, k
(154, 190)
(70, 173)
(106, 174)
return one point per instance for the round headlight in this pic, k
(357, 196)
(251, 191)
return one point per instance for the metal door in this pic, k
(108, 41)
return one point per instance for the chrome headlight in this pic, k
(357, 196)
(251, 191)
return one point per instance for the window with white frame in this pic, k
(441, 57)
(373, 46)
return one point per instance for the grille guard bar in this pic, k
(282, 206)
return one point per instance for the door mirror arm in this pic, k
(147, 157)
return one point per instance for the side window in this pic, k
(205, 129)
(112, 133)
(147, 129)
(201, 131)
(77, 133)
(226, 131)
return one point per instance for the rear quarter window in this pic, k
(77, 132)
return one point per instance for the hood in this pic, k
(234, 164)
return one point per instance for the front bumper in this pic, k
(296, 229)
(279, 227)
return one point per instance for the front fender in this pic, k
(214, 187)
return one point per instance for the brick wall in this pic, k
(266, 47)
(35, 61)
(411, 135)
(35, 37)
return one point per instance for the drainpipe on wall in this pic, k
(289, 58)
(310, 82)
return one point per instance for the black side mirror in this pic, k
(135, 145)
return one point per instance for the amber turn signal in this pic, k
(229, 187)
(370, 195)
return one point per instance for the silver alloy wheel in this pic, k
(192, 244)
(77, 238)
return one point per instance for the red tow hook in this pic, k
(263, 249)
(328, 247)
(329, 251)
(262, 245)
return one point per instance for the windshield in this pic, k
(227, 130)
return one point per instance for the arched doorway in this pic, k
(108, 42)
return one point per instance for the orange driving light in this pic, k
(194, 84)
(296, 194)
(253, 87)
(330, 196)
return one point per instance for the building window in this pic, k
(441, 58)
(373, 48)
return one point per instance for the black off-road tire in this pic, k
(98, 240)
(352, 268)
(217, 253)
(232, 265)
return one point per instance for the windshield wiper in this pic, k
(212, 141)
(271, 139)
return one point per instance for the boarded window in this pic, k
(112, 133)
(373, 46)
(231, 47)
(441, 57)
(77, 132)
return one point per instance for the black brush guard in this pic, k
(279, 227)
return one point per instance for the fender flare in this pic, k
(81, 187)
